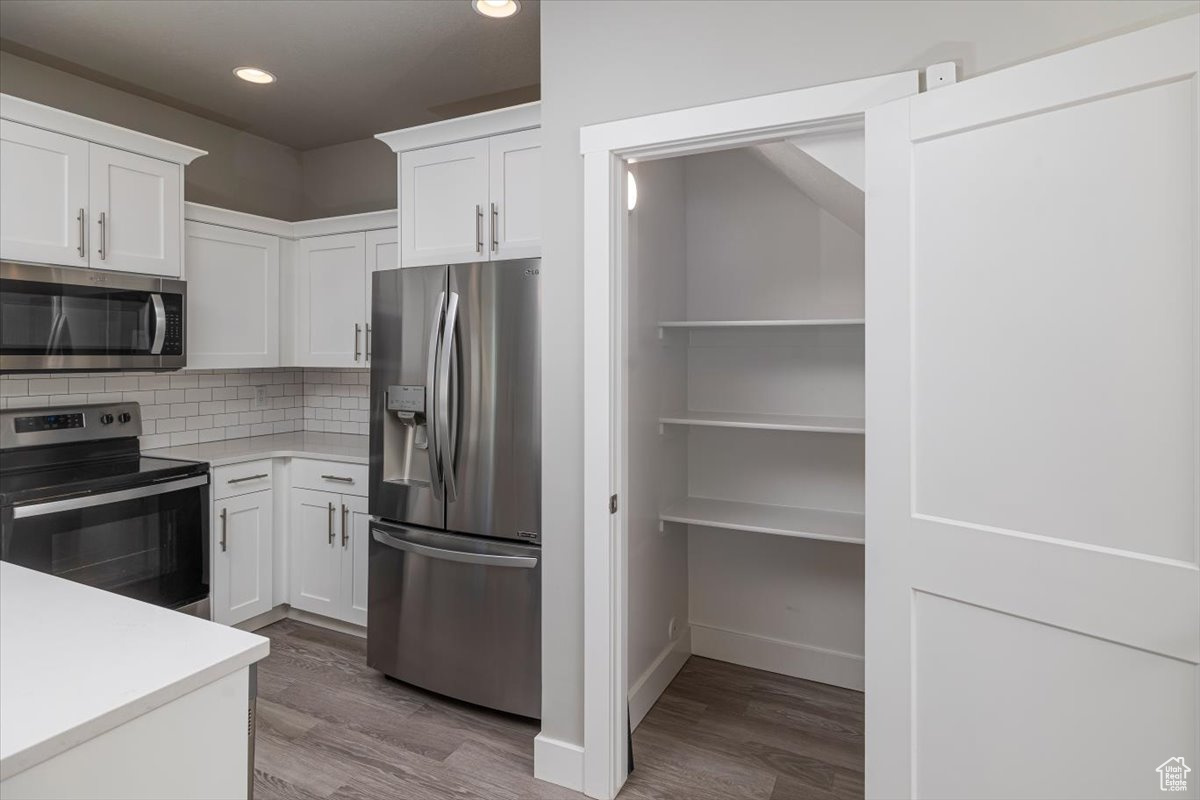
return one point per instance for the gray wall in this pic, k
(349, 178)
(241, 171)
(625, 58)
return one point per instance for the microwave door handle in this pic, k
(431, 425)
(160, 324)
(445, 443)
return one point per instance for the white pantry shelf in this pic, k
(802, 523)
(769, 422)
(758, 323)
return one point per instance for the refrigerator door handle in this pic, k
(444, 442)
(431, 408)
(463, 557)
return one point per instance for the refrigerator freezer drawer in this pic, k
(457, 615)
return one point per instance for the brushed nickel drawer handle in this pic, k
(248, 478)
(338, 478)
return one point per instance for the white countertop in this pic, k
(76, 662)
(349, 448)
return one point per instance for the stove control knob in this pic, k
(124, 417)
(106, 419)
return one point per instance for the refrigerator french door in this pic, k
(455, 481)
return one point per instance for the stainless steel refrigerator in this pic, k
(454, 588)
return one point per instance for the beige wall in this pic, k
(241, 171)
(625, 58)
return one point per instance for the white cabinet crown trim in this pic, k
(93, 130)
(350, 223)
(460, 129)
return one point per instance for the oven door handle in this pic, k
(91, 500)
(160, 324)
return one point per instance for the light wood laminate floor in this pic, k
(331, 727)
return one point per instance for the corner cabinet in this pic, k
(329, 554)
(331, 288)
(82, 193)
(470, 188)
(233, 297)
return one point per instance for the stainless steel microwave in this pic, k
(61, 319)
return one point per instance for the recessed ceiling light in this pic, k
(254, 75)
(497, 8)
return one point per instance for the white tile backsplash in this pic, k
(210, 405)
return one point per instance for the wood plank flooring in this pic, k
(329, 727)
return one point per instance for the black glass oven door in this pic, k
(148, 542)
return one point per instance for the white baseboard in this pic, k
(646, 690)
(287, 612)
(775, 655)
(558, 762)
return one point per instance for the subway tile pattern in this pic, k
(210, 405)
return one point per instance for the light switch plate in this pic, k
(260, 397)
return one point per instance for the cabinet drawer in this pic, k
(330, 476)
(234, 479)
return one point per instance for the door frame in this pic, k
(607, 149)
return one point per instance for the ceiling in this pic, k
(347, 70)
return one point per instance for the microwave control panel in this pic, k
(173, 340)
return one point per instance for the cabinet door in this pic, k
(43, 196)
(136, 209)
(316, 559)
(242, 553)
(331, 292)
(356, 533)
(383, 252)
(443, 204)
(516, 195)
(233, 297)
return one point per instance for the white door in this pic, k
(331, 292)
(233, 297)
(516, 195)
(316, 567)
(43, 196)
(443, 204)
(242, 553)
(1033, 372)
(383, 252)
(354, 558)
(136, 210)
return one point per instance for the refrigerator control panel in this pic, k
(410, 399)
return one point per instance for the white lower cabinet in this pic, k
(329, 554)
(242, 552)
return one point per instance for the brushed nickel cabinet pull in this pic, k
(478, 229)
(495, 227)
(357, 333)
(338, 478)
(103, 237)
(82, 234)
(368, 358)
(248, 478)
(224, 529)
(345, 532)
(331, 523)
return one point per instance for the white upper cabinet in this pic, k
(331, 292)
(443, 204)
(233, 297)
(516, 195)
(383, 252)
(136, 206)
(43, 196)
(82, 193)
